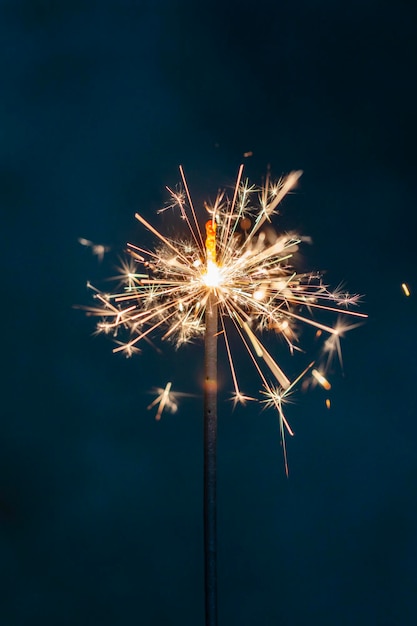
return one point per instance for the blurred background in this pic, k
(100, 505)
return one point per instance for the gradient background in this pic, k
(100, 506)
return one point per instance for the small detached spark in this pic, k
(249, 267)
(322, 380)
(405, 289)
(98, 249)
(166, 400)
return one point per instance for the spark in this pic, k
(127, 276)
(405, 289)
(275, 397)
(166, 399)
(249, 267)
(98, 249)
(322, 380)
(332, 346)
(128, 349)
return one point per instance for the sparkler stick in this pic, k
(210, 437)
(210, 468)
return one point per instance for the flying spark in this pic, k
(165, 400)
(405, 289)
(248, 266)
(98, 249)
(322, 380)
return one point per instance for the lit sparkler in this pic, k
(237, 271)
(245, 265)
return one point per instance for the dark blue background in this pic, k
(100, 506)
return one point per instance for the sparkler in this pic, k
(237, 274)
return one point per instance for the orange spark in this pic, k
(321, 379)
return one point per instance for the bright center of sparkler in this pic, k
(212, 277)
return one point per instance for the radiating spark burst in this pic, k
(247, 265)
